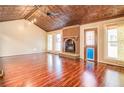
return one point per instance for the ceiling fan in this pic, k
(47, 12)
(52, 14)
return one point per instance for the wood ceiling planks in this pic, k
(8, 13)
(64, 15)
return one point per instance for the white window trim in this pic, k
(106, 44)
(47, 43)
(53, 43)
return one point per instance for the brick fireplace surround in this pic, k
(73, 34)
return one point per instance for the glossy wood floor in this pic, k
(51, 70)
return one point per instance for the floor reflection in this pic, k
(88, 77)
(58, 67)
(55, 64)
(50, 63)
(90, 66)
(112, 78)
(28, 84)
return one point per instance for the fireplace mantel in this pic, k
(71, 37)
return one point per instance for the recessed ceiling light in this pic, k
(35, 20)
(29, 22)
(32, 21)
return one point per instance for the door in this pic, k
(90, 44)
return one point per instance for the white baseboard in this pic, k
(21, 54)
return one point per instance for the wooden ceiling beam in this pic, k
(31, 13)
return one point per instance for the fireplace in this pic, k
(71, 42)
(69, 46)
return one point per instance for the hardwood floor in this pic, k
(51, 70)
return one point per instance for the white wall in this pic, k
(21, 37)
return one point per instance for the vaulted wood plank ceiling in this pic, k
(8, 13)
(54, 17)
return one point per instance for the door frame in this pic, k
(94, 46)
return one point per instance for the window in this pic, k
(90, 39)
(58, 42)
(50, 42)
(112, 43)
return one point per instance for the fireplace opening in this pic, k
(70, 46)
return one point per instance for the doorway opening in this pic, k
(90, 44)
